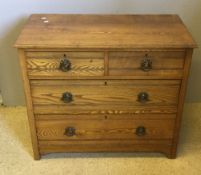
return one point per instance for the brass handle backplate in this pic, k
(140, 131)
(70, 131)
(146, 64)
(65, 65)
(67, 97)
(143, 97)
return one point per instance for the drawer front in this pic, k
(109, 96)
(151, 63)
(47, 146)
(64, 64)
(104, 129)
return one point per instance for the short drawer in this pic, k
(104, 96)
(64, 64)
(104, 129)
(151, 63)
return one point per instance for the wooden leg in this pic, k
(171, 155)
(36, 156)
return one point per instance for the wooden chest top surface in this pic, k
(104, 31)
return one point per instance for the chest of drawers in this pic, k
(105, 83)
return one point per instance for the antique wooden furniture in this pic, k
(97, 83)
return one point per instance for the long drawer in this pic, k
(104, 96)
(47, 146)
(131, 129)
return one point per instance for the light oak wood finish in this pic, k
(182, 94)
(164, 63)
(62, 109)
(108, 116)
(162, 146)
(48, 63)
(32, 126)
(105, 31)
(91, 95)
(109, 86)
(105, 129)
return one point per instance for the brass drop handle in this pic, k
(67, 97)
(146, 64)
(65, 65)
(140, 131)
(70, 131)
(143, 97)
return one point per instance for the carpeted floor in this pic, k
(15, 152)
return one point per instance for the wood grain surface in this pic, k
(164, 63)
(64, 109)
(162, 146)
(104, 31)
(105, 129)
(29, 104)
(109, 95)
(48, 63)
(105, 80)
(182, 94)
(102, 117)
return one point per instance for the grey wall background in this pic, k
(13, 14)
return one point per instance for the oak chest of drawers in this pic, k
(105, 83)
